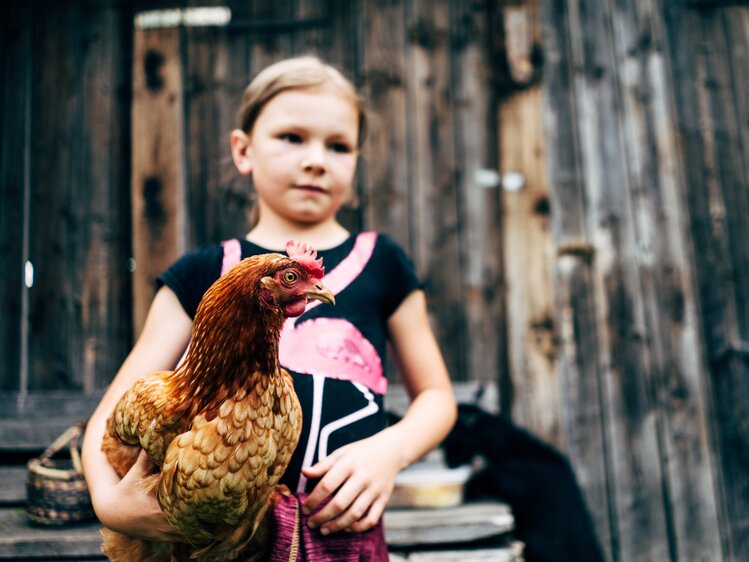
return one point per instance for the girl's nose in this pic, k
(314, 159)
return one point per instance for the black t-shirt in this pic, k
(334, 353)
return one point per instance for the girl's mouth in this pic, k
(310, 188)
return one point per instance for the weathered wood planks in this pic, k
(62, 104)
(15, 193)
(707, 50)
(477, 190)
(159, 195)
(528, 251)
(433, 217)
(464, 523)
(616, 128)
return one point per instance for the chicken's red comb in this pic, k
(305, 256)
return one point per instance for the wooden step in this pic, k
(460, 524)
(21, 539)
(511, 553)
(403, 528)
(30, 423)
(12, 485)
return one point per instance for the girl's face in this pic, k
(302, 154)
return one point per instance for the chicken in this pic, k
(223, 425)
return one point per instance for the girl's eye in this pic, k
(290, 277)
(341, 147)
(291, 137)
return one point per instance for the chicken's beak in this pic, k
(320, 293)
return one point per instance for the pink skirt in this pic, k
(294, 541)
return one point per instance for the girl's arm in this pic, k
(365, 471)
(120, 504)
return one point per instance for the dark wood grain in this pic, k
(663, 264)
(478, 202)
(16, 49)
(385, 167)
(435, 226)
(580, 353)
(709, 106)
(102, 286)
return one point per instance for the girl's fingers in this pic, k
(317, 470)
(354, 513)
(371, 518)
(339, 503)
(333, 479)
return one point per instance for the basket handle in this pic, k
(69, 436)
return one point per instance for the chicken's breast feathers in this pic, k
(222, 466)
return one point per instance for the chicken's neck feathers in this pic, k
(234, 344)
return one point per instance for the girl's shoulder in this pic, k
(391, 269)
(190, 276)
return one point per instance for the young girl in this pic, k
(301, 126)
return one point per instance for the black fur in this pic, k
(534, 479)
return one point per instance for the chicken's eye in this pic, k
(290, 277)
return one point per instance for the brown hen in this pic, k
(221, 427)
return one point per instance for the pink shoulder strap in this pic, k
(337, 279)
(342, 275)
(232, 254)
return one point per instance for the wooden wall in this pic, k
(601, 283)
(63, 203)
(645, 130)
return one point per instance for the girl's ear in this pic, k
(240, 151)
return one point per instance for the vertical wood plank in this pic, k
(272, 46)
(579, 360)
(385, 165)
(434, 216)
(16, 55)
(234, 198)
(54, 330)
(664, 268)
(712, 143)
(529, 259)
(478, 192)
(102, 281)
(581, 393)
(217, 211)
(158, 161)
(633, 420)
(316, 40)
(528, 250)
(202, 74)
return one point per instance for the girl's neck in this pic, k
(274, 234)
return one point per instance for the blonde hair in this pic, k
(297, 73)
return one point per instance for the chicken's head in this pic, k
(293, 281)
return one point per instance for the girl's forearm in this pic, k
(427, 422)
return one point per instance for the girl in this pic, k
(301, 127)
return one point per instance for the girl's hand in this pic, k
(130, 510)
(363, 473)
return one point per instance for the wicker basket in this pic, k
(55, 488)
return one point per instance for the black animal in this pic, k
(534, 479)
